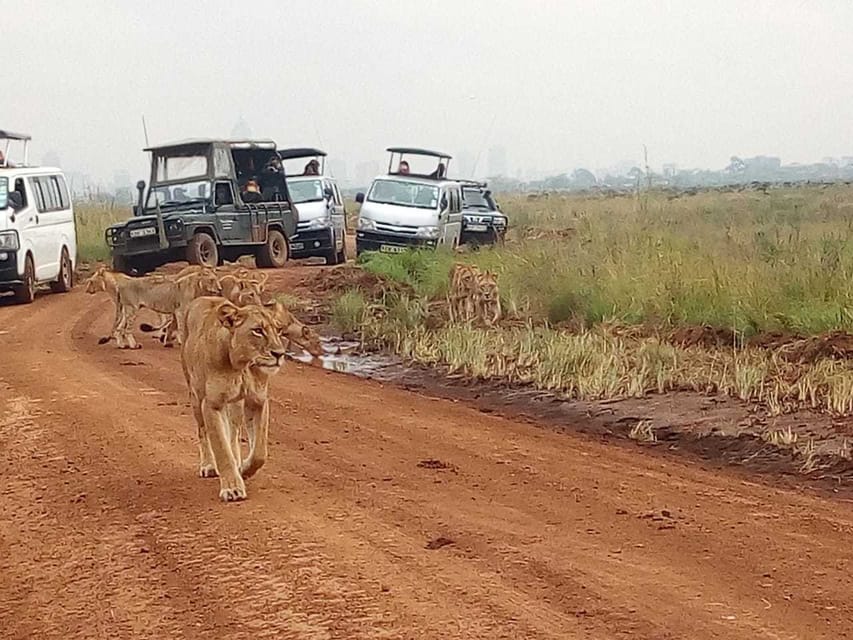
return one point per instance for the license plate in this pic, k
(390, 248)
(477, 227)
(146, 231)
(297, 246)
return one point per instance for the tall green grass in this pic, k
(91, 220)
(744, 261)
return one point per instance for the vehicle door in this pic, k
(25, 220)
(454, 216)
(37, 226)
(339, 218)
(228, 213)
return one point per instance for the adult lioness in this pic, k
(238, 285)
(228, 355)
(156, 292)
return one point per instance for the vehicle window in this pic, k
(64, 201)
(224, 193)
(221, 161)
(338, 199)
(4, 193)
(475, 199)
(406, 194)
(35, 187)
(20, 187)
(51, 191)
(181, 167)
(306, 191)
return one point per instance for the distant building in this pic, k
(338, 169)
(50, 159)
(464, 165)
(365, 172)
(497, 162)
(241, 129)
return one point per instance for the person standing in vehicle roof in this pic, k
(312, 168)
(403, 169)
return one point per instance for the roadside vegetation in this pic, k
(92, 219)
(595, 289)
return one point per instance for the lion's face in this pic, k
(488, 285)
(206, 283)
(97, 281)
(255, 337)
(240, 291)
(291, 329)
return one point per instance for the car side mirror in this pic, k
(328, 193)
(444, 204)
(359, 197)
(15, 200)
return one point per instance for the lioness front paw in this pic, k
(207, 471)
(234, 493)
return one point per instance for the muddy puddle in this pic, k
(814, 448)
(347, 356)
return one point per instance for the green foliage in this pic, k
(349, 312)
(745, 261)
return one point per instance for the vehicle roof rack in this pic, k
(8, 135)
(418, 152)
(260, 143)
(299, 152)
(472, 183)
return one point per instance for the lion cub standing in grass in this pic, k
(229, 354)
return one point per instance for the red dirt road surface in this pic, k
(380, 514)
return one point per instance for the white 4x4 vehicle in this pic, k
(38, 238)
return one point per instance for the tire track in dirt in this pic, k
(549, 532)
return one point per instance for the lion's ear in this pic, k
(229, 315)
(306, 332)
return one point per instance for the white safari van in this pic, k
(408, 208)
(38, 238)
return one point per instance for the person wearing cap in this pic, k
(252, 192)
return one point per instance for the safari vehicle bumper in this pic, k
(389, 243)
(9, 275)
(307, 244)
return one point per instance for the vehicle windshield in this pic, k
(4, 193)
(306, 191)
(175, 194)
(406, 194)
(475, 199)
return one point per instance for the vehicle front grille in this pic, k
(402, 229)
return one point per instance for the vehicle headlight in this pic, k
(320, 223)
(427, 232)
(9, 240)
(366, 224)
(174, 226)
(500, 221)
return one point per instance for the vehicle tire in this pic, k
(65, 280)
(273, 254)
(336, 257)
(25, 293)
(202, 250)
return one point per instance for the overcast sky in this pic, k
(559, 84)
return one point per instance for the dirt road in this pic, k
(381, 514)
